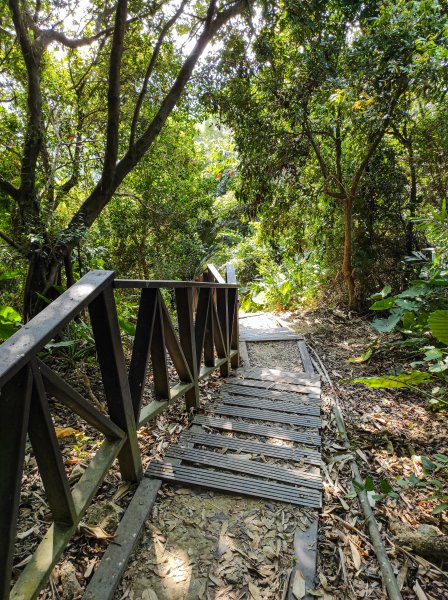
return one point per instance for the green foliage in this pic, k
(9, 321)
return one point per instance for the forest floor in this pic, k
(390, 431)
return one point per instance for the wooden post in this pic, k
(15, 399)
(184, 305)
(103, 315)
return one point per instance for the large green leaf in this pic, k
(384, 304)
(438, 324)
(395, 381)
(387, 325)
(9, 318)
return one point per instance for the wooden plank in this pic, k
(209, 344)
(15, 404)
(244, 354)
(215, 440)
(158, 355)
(20, 348)
(48, 454)
(114, 561)
(286, 407)
(64, 392)
(232, 483)
(264, 415)
(141, 347)
(234, 327)
(305, 546)
(306, 359)
(214, 274)
(170, 284)
(261, 430)
(184, 305)
(278, 376)
(174, 347)
(103, 315)
(202, 309)
(57, 537)
(241, 390)
(313, 388)
(245, 465)
(277, 334)
(204, 372)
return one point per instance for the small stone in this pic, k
(69, 582)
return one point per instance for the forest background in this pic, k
(308, 144)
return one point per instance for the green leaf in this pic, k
(427, 464)
(395, 381)
(438, 324)
(127, 326)
(385, 487)
(383, 304)
(9, 315)
(384, 292)
(9, 275)
(416, 291)
(407, 304)
(363, 358)
(369, 486)
(387, 325)
(441, 457)
(440, 508)
(433, 354)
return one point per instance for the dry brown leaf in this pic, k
(96, 532)
(401, 578)
(63, 432)
(254, 591)
(419, 592)
(356, 555)
(298, 585)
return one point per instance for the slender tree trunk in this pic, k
(412, 198)
(42, 275)
(347, 270)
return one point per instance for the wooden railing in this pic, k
(205, 338)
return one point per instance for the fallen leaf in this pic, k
(401, 578)
(96, 532)
(254, 591)
(63, 432)
(356, 555)
(419, 592)
(149, 594)
(298, 585)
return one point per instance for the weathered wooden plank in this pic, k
(103, 315)
(214, 274)
(305, 546)
(174, 347)
(141, 347)
(15, 399)
(274, 405)
(244, 465)
(244, 354)
(278, 376)
(278, 334)
(159, 360)
(312, 388)
(202, 310)
(184, 305)
(169, 284)
(64, 392)
(241, 390)
(114, 561)
(264, 415)
(306, 359)
(215, 440)
(48, 454)
(151, 410)
(233, 483)
(261, 430)
(20, 348)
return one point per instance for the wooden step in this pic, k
(272, 416)
(287, 407)
(245, 465)
(215, 440)
(237, 484)
(277, 376)
(261, 430)
(241, 390)
(312, 388)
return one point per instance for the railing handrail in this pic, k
(30, 339)
(170, 284)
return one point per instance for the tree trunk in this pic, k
(410, 242)
(42, 275)
(347, 255)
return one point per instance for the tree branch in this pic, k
(150, 69)
(11, 242)
(9, 188)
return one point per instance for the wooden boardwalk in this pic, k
(262, 412)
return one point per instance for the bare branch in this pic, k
(11, 243)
